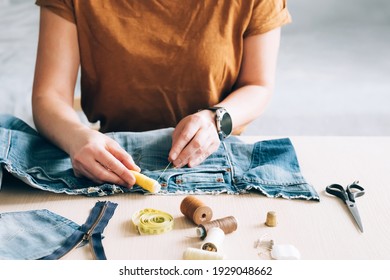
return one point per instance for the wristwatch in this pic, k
(223, 122)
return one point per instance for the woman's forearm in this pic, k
(55, 77)
(56, 120)
(246, 104)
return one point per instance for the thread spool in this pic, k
(198, 254)
(227, 224)
(195, 210)
(146, 183)
(271, 220)
(213, 240)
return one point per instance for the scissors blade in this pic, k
(355, 213)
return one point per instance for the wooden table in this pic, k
(321, 230)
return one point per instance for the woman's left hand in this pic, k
(194, 139)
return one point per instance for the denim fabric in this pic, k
(91, 231)
(30, 235)
(270, 167)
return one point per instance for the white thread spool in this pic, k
(213, 240)
(198, 254)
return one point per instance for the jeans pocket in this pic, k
(196, 181)
(58, 182)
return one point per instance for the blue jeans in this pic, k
(269, 167)
(30, 235)
(44, 235)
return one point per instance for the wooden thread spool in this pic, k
(195, 210)
(227, 224)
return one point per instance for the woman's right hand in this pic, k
(101, 159)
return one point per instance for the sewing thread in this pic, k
(214, 239)
(195, 210)
(199, 254)
(227, 224)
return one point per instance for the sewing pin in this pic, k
(165, 169)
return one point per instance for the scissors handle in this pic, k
(337, 190)
(354, 191)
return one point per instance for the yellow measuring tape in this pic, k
(152, 221)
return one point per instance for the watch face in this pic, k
(223, 121)
(226, 124)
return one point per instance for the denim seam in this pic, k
(312, 196)
(270, 183)
(231, 166)
(256, 147)
(8, 145)
(4, 160)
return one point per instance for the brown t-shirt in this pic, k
(147, 64)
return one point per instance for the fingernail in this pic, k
(129, 185)
(193, 163)
(173, 156)
(178, 163)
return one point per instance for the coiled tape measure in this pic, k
(152, 221)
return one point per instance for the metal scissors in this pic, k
(348, 195)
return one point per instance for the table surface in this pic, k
(319, 230)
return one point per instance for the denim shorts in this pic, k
(268, 167)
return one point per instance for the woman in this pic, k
(205, 67)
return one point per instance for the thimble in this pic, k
(271, 219)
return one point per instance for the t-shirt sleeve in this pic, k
(63, 8)
(267, 15)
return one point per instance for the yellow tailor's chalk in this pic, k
(146, 183)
